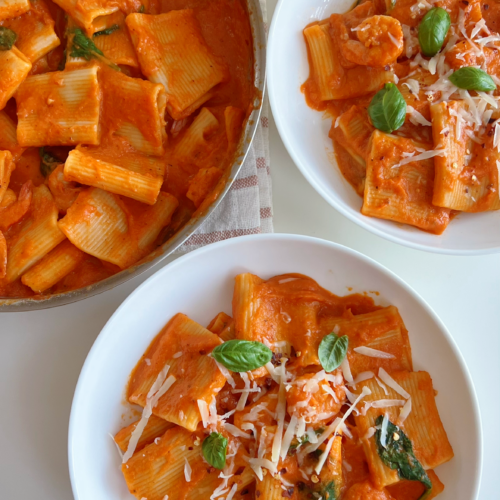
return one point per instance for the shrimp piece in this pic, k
(63, 191)
(14, 212)
(380, 42)
(3, 256)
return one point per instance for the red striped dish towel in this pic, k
(247, 207)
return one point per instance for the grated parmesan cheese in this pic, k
(280, 414)
(405, 411)
(387, 403)
(383, 431)
(235, 431)
(346, 371)
(417, 118)
(158, 389)
(287, 438)
(422, 156)
(387, 379)
(203, 407)
(187, 470)
(362, 377)
(227, 374)
(373, 353)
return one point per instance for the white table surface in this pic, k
(41, 353)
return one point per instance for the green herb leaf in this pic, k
(242, 355)
(107, 31)
(329, 491)
(470, 78)
(297, 443)
(214, 450)
(332, 350)
(62, 62)
(387, 109)
(433, 30)
(48, 163)
(83, 47)
(398, 455)
(142, 9)
(7, 38)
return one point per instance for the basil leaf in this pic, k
(387, 109)
(48, 162)
(433, 30)
(329, 492)
(142, 9)
(398, 455)
(470, 78)
(214, 450)
(107, 31)
(242, 355)
(84, 47)
(332, 351)
(7, 38)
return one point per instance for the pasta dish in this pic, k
(119, 122)
(411, 89)
(299, 394)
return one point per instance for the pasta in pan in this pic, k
(411, 89)
(300, 394)
(119, 122)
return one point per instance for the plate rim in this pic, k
(337, 205)
(108, 330)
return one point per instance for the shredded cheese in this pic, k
(387, 379)
(203, 407)
(383, 431)
(362, 377)
(158, 389)
(422, 156)
(387, 403)
(187, 470)
(405, 411)
(337, 423)
(373, 353)
(346, 371)
(280, 415)
(227, 374)
(417, 118)
(244, 395)
(287, 438)
(235, 431)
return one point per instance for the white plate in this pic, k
(200, 284)
(305, 135)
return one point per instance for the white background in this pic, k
(41, 353)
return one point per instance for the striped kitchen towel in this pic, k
(247, 207)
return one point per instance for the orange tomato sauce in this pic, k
(226, 29)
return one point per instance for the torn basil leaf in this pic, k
(470, 78)
(387, 109)
(214, 450)
(398, 455)
(7, 38)
(432, 31)
(107, 31)
(332, 351)
(242, 355)
(48, 162)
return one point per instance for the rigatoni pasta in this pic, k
(415, 123)
(127, 117)
(241, 417)
(181, 59)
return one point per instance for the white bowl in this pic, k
(305, 135)
(200, 284)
